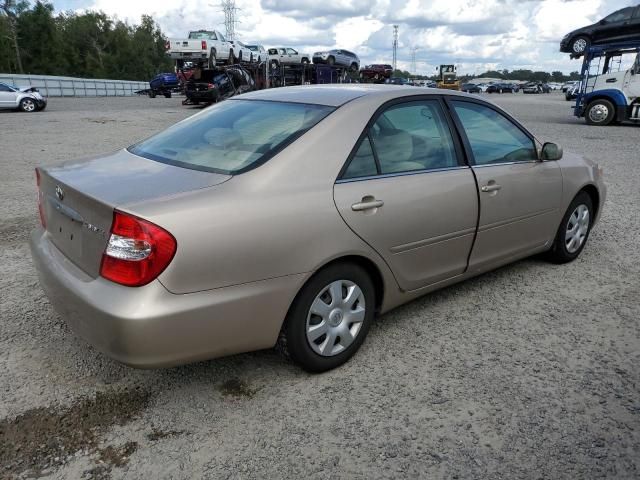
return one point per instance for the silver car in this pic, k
(26, 99)
(342, 58)
(231, 232)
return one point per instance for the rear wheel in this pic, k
(574, 230)
(152, 94)
(305, 61)
(600, 112)
(354, 67)
(28, 105)
(331, 61)
(329, 318)
(212, 58)
(232, 58)
(167, 94)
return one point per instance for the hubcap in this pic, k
(29, 106)
(335, 318)
(579, 45)
(577, 228)
(598, 113)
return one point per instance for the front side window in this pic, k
(493, 138)
(231, 136)
(291, 51)
(620, 15)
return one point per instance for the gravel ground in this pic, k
(531, 371)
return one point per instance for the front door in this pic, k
(405, 193)
(520, 196)
(7, 97)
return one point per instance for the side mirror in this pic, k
(551, 151)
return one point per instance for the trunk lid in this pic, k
(78, 198)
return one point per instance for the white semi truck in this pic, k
(609, 94)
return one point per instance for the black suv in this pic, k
(621, 25)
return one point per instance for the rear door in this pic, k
(405, 191)
(520, 196)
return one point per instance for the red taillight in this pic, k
(43, 222)
(211, 86)
(204, 45)
(138, 251)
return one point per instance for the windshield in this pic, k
(233, 136)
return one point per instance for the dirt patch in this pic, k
(118, 456)
(235, 387)
(45, 438)
(160, 434)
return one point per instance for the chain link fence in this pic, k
(52, 86)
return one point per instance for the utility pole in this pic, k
(229, 8)
(395, 47)
(413, 59)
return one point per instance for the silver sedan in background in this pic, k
(26, 99)
(231, 232)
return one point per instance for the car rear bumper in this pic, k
(150, 327)
(202, 96)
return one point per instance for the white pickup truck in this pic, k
(202, 46)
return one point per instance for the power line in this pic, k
(395, 46)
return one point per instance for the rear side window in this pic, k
(493, 137)
(232, 136)
(413, 136)
(408, 137)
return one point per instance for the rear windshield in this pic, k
(233, 136)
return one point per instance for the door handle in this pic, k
(612, 80)
(493, 187)
(367, 203)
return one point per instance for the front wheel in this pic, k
(574, 230)
(600, 112)
(330, 318)
(354, 67)
(331, 61)
(28, 105)
(305, 61)
(579, 45)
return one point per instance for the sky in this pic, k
(477, 35)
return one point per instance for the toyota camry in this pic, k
(293, 216)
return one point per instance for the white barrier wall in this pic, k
(51, 86)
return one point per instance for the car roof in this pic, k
(337, 95)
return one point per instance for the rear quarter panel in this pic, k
(278, 219)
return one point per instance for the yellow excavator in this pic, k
(448, 77)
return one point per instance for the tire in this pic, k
(304, 61)
(212, 58)
(274, 65)
(251, 59)
(232, 58)
(28, 105)
(354, 67)
(152, 94)
(600, 112)
(167, 94)
(331, 61)
(564, 250)
(323, 353)
(580, 45)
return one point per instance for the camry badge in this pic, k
(59, 192)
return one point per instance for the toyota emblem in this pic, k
(59, 192)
